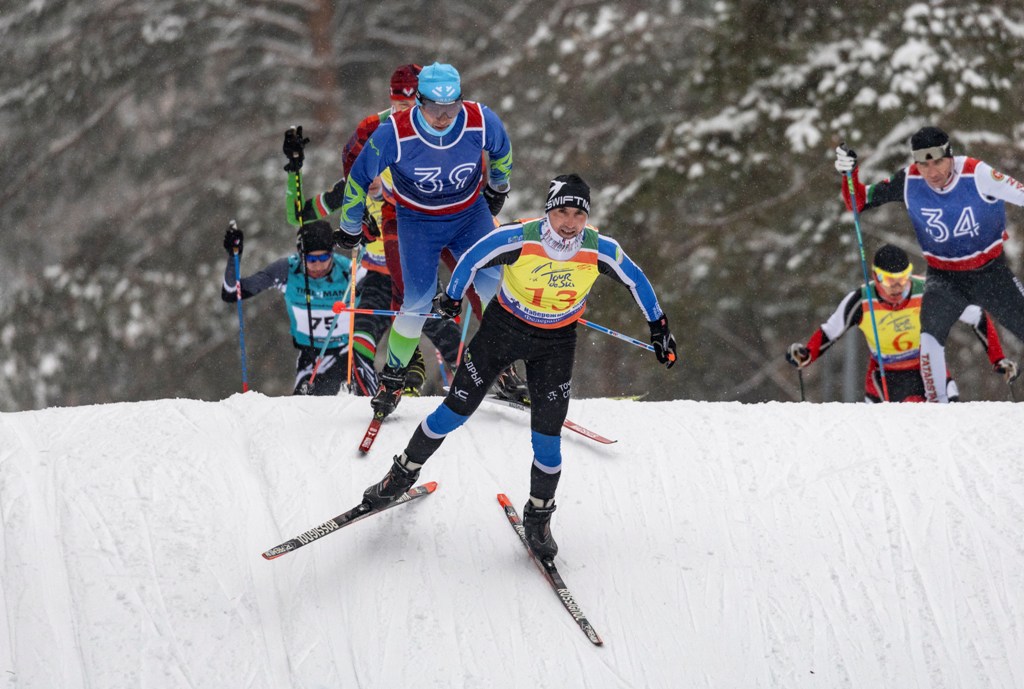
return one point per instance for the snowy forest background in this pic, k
(131, 132)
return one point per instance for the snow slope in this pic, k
(716, 545)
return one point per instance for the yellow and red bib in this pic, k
(545, 292)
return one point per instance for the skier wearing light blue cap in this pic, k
(435, 152)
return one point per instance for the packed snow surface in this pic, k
(715, 545)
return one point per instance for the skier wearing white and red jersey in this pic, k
(957, 206)
(896, 296)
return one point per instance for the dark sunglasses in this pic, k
(435, 109)
(319, 258)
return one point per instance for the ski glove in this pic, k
(846, 160)
(663, 341)
(347, 241)
(233, 240)
(445, 306)
(495, 199)
(798, 355)
(371, 231)
(1008, 369)
(293, 146)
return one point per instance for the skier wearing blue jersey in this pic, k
(446, 194)
(380, 286)
(957, 206)
(329, 274)
(548, 267)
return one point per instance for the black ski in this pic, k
(551, 574)
(358, 512)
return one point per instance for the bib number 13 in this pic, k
(564, 298)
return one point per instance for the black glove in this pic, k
(445, 306)
(233, 239)
(846, 160)
(347, 241)
(495, 199)
(1008, 369)
(798, 355)
(371, 231)
(293, 145)
(663, 341)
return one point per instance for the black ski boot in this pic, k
(510, 386)
(537, 522)
(415, 375)
(399, 479)
(389, 391)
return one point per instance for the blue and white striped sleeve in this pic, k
(489, 249)
(614, 262)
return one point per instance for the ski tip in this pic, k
(503, 500)
(431, 486)
(278, 551)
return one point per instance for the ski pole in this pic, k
(462, 338)
(800, 375)
(444, 369)
(351, 318)
(867, 281)
(624, 338)
(323, 349)
(384, 312)
(241, 321)
(302, 252)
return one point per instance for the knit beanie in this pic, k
(891, 259)
(930, 143)
(568, 191)
(440, 83)
(404, 82)
(316, 236)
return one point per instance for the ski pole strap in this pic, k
(624, 338)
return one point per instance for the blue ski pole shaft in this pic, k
(241, 321)
(387, 312)
(867, 282)
(624, 338)
(323, 348)
(444, 369)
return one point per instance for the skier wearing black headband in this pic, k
(957, 206)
